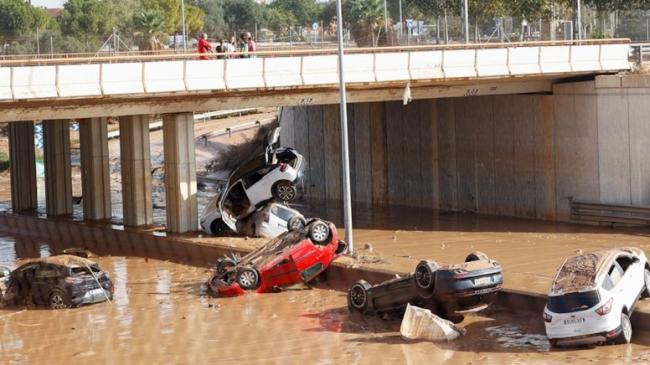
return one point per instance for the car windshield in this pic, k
(82, 270)
(573, 302)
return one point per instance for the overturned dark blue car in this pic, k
(446, 290)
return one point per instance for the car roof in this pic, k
(64, 260)
(581, 272)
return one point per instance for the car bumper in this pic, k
(92, 296)
(589, 339)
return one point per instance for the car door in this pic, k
(259, 188)
(632, 280)
(44, 279)
(277, 226)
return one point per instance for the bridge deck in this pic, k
(70, 81)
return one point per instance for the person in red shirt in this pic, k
(204, 46)
(252, 47)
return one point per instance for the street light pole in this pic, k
(385, 18)
(466, 13)
(400, 19)
(579, 19)
(345, 153)
(183, 25)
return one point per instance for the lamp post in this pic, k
(183, 25)
(579, 6)
(345, 153)
(385, 18)
(466, 14)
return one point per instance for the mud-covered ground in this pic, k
(160, 315)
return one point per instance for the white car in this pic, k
(271, 221)
(593, 296)
(272, 175)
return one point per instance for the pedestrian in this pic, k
(243, 45)
(204, 46)
(252, 47)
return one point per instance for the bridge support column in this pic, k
(58, 177)
(135, 155)
(180, 172)
(95, 176)
(23, 166)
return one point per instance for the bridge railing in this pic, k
(146, 74)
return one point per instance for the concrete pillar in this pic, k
(95, 175)
(23, 166)
(135, 157)
(58, 178)
(180, 172)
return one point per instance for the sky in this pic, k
(49, 3)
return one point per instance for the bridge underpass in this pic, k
(133, 91)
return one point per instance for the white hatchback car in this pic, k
(270, 176)
(593, 296)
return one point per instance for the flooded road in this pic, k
(160, 315)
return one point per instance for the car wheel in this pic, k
(646, 277)
(59, 299)
(626, 330)
(224, 264)
(424, 277)
(284, 191)
(218, 226)
(319, 232)
(477, 256)
(358, 296)
(248, 278)
(296, 223)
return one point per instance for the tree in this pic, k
(171, 11)
(242, 15)
(18, 18)
(366, 20)
(91, 21)
(148, 25)
(303, 12)
(214, 23)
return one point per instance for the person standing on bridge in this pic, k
(204, 46)
(252, 47)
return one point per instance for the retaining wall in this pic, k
(510, 155)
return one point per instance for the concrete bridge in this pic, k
(136, 85)
(134, 88)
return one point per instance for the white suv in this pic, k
(593, 296)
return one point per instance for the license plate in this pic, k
(483, 281)
(574, 320)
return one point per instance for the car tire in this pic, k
(358, 297)
(248, 278)
(477, 256)
(284, 191)
(59, 299)
(424, 277)
(296, 223)
(626, 330)
(319, 232)
(223, 264)
(218, 227)
(646, 280)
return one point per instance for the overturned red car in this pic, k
(293, 257)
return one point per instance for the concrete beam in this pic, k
(58, 177)
(135, 156)
(23, 166)
(95, 175)
(207, 101)
(180, 172)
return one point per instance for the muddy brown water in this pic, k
(160, 315)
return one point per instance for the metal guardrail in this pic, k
(642, 51)
(609, 214)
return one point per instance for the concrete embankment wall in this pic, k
(512, 155)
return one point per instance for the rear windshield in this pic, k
(76, 271)
(573, 302)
